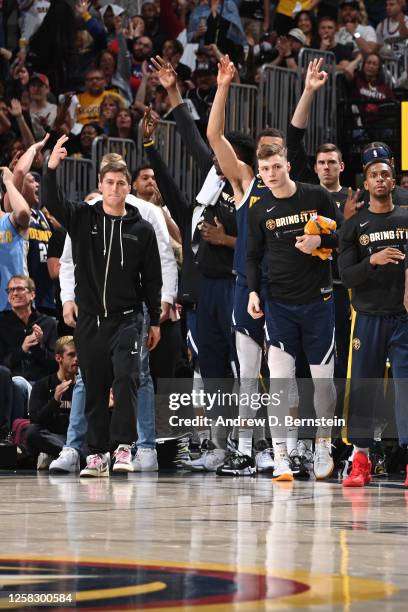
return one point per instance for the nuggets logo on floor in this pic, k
(35, 583)
(95, 585)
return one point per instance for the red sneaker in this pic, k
(360, 474)
(406, 479)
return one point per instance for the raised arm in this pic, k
(191, 137)
(21, 213)
(315, 80)
(237, 172)
(53, 197)
(23, 166)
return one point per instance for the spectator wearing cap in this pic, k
(215, 21)
(395, 25)
(109, 12)
(202, 96)
(42, 112)
(360, 37)
(289, 48)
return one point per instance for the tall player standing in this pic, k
(299, 309)
(372, 262)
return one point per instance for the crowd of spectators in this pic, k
(84, 69)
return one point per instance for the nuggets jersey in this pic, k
(255, 191)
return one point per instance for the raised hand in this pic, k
(150, 122)
(165, 72)
(7, 174)
(58, 153)
(352, 205)
(226, 71)
(61, 388)
(15, 109)
(315, 78)
(37, 146)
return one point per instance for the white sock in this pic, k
(245, 442)
(292, 438)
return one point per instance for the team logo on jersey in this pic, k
(253, 200)
(270, 224)
(356, 344)
(364, 239)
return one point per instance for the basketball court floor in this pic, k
(177, 541)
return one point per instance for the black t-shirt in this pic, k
(376, 290)
(217, 261)
(342, 52)
(274, 223)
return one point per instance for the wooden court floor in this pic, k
(177, 541)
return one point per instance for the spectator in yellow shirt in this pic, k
(91, 99)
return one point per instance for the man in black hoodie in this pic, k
(117, 267)
(50, 405)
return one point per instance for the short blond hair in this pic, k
(269, 150)
(62, 343)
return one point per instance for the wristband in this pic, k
(148, 143)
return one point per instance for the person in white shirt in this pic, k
(362, 38)
(395, 25)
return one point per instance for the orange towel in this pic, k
(320, 225)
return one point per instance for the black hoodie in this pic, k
(117, 261)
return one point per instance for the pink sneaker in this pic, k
(97, 466)
(123, 459)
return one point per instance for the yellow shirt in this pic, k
(89, 105)
(286, 7)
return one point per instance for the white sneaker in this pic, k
(282, 470)
(210, 459)
(123, 459)
(97, 466)
(145, 460)
(263, 457)
(67, 462)
(323, 464)
(43, 461)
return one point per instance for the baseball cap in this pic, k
(205, 68)
(375, 152)
(352, 3)
(298, 35)
(38, 76)
(116, 9)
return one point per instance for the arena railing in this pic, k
(76, 176)
(277, 97)
(181, 165)
(241, 108)
(323, 114)
(395, 61)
